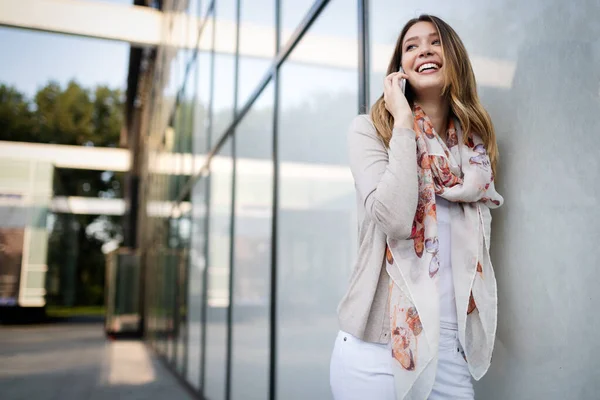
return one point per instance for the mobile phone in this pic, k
(402, 82)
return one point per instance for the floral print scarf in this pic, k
(460, 173)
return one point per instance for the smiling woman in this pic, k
(423, 163)
(417, 68)
(429, 40)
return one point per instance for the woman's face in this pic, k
(422, 59)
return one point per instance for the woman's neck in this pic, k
(437, 109)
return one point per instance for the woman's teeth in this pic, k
(427, 66)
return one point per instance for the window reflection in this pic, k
(203, 93)
(65, 58)
(316, 225)
(196, 274)
(182, 306)
(224, 71)
(257, 44)
(252, 251)
(292, 14)
(218, 273)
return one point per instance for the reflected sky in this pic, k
(36, 58)
(95, 61)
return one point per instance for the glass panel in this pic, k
(292, 13)
(329, 96)
(171, 264)
(202, 98)
(185, 128)
(183, 234)
(162, 305)
(224, 72)
(174, 69)
(191, 7)
(173, 156)
(122, 307)
(197, 267)
(257, 44)
(149, 302)
(537, 75)
(218, 274)
(252, 263)
(65, 58)
(316, 218)
(204, 4)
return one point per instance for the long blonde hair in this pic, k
(459, 87)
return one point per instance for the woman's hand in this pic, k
(395, 101)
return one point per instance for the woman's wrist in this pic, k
(405, 122)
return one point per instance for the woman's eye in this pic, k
(436, 42)
(410, 47)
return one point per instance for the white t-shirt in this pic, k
(446, 282)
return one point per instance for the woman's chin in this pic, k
(431, 89)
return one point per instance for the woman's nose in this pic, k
(425, 50)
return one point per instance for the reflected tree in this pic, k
(72, 115)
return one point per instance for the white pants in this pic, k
(360, 370)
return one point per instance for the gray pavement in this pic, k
(76, 362)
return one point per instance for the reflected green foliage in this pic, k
(16, 118)
(75, 259)
(88, 183)
(184, 126)
(72, 115)
(69, 312)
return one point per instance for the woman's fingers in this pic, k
(390, 77)
(392, 91)
(387, 82)
(396, 80)
(401, 74)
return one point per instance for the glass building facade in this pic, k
(249, 226)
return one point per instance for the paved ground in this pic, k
(75, 362)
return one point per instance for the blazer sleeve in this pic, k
(386, 179)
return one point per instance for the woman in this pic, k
(423, 286)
